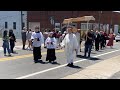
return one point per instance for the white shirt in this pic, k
(48, 43)
(34, 36)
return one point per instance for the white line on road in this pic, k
(33, 74)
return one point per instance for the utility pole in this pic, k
(21, 20)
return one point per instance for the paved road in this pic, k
(21, 65)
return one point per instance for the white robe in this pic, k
(49, 40)
(70, 43)
(78, 40)
(35, 42)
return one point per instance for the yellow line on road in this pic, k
(28, 55)
(25, 56)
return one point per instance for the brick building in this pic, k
(47, 19)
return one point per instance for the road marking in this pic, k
(36, 73)
(101, 70)
(25, 56)
(28, 55)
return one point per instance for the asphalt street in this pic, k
(21, 65)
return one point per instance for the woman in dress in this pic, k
(111, 39)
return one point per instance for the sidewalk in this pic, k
(101, 70)
(18, 44)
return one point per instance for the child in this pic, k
(51, 46)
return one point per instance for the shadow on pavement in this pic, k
(77, 67)
(81, 56)
(55, 63)
(41, 61)
(93, 58)
(74, 66)
(90, 58)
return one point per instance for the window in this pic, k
(14, 25)
(6, 25)
(84, 26)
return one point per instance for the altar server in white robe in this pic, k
(70, 43)
(51, 44)
(37, 40)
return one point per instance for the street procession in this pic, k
(65, 51)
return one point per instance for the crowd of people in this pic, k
(52, 40)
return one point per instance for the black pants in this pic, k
(12, 45)
(37, 53)
(105, 42)
(102, 45)
(96, 45)
(51, 55)
(24, 42)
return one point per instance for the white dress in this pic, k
(70, 43)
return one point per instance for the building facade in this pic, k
(13, 20)
(48, 19)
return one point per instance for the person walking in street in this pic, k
(37, 39)
(28, 37)
(102, 39)
(12, 40)
(106, 37)
(111, 39)
(97, 40)
(23, 33)
(70, 43)
(88, 43)
(6, 43)
(51, 46)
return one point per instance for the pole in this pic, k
(21, 21)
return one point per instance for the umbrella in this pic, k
(67, 21)
(86, 18)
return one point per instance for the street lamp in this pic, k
(100, 12)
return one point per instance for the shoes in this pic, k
(9, 55)
(70, 65)
(35, 61)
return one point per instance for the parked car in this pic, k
(117, 38)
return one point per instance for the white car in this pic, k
(117, 38)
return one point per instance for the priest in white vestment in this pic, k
(70, 43)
